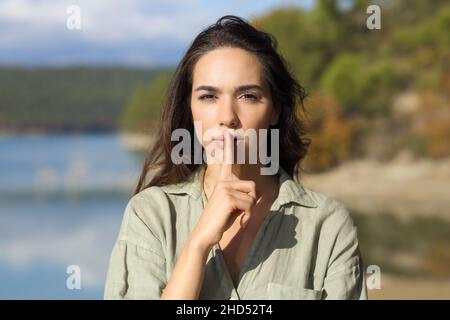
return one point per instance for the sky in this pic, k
(113, 32)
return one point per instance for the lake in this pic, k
(62, 198)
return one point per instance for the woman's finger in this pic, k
(227, 163)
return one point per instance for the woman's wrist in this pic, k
(196, 243)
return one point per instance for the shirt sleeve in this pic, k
(137, 264)
(345, 277)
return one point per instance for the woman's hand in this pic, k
(229, 200)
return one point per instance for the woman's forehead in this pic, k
(228, 67)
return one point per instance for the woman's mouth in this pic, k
(220, 140)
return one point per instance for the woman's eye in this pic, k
(207, 97)
(250, 97)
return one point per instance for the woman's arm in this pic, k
(227, 203)
(187, 277)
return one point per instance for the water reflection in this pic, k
(61, 203)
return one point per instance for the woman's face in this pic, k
(229, 92)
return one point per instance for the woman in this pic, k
(223, 229)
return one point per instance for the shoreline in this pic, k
(404, 187)
(394, 287)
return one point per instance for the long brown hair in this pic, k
(287, 94)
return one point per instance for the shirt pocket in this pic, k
(277, 291)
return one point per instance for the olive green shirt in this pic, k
(306, 248)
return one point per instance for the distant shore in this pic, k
(411, 288)
(136, 141)
(404, 186)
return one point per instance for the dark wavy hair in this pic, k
(287, 95)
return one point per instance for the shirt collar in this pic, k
(290, 191)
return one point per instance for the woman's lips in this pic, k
(220, 140)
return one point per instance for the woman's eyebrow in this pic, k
(241, 88)
(247, 87)
(207, 88)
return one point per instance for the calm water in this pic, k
(61, 203)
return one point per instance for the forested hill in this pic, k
(67, 99)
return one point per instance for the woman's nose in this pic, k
(227, 115)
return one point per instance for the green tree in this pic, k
(362, 85)
(143, 110)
